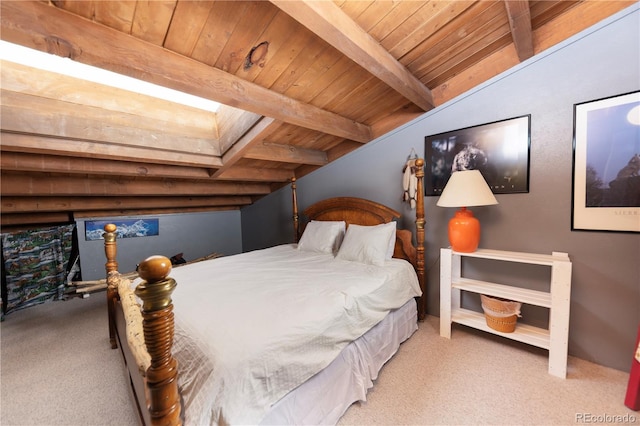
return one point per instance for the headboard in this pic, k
(365, 212)
(359, 211)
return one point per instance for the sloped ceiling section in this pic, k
(301, 82)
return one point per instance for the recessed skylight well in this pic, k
(45, 61)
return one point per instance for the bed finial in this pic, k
(110, 251)
(157, 312)
(296, 219)
(420, 223)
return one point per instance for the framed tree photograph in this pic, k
(500, 150)
(606, 164)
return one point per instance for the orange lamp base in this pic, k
(464, 231)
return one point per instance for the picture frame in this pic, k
(500, 150)
(606, 164)
(125, 228)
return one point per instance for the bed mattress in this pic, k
(251, 328)
(325, 397)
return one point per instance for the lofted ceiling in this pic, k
(301, 82)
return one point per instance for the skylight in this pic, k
(45, 61)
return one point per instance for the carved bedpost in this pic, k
(296, 222)
(157, 313)
(110, 251)
(420, 222)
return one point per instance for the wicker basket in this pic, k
(500, 315)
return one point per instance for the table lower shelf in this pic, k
(523, 333)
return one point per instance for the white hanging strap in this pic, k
(409, 183)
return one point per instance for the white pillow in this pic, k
(368, 244)
(322, 236)
(392, 242)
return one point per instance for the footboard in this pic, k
(161, 395)
(157, 311)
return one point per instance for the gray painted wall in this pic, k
(605, 304)
(194, 234)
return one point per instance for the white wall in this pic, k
(194, 234)
(601, 62)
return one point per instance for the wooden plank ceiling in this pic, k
(302, 83)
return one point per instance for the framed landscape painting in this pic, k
(500, 150)
(125, 228)
(606, 164)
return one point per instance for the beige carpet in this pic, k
(57, 369)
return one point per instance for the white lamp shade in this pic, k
(465, 189)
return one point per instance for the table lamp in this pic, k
(465, 189)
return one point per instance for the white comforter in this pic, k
(252, 327)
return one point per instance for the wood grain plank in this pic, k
(20, 185)
(232, 123)
(248, 174)
(263, 128)
(43, 84)
(297, 136)
(85, 9)
(354, 8)
(574, 20)
(544, 11)
(34, 115)
(39, 144)
(389, 121)
(328, 66)
(283, 49)
(13, 204)
(27, 162)
(455, 52)
(424, 24)
(520, 24)
(467, 27)
(23, 24)
(20, 219)
(115, 14)
(470, 54)
(370, 16)
(307, 62)
(492, 65)
(246, 34)
(395, 19)
(174, 208)
(329, 22)
(222, 20)
(286, 154)
(189, 19)
(151, 20)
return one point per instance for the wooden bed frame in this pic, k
(157, 395)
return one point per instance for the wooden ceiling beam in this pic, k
(15, 204)
(25, 162)
(239, 173)
(22, 220)
(23, 113)
(24, 79)
(22, 185)
(520, 24)
(342, 149)
(287, 154)
(263, 128)
(39, 144)
(232, 124)
(330, 23)
(43, 26)
(578, 18)
(147, 212)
